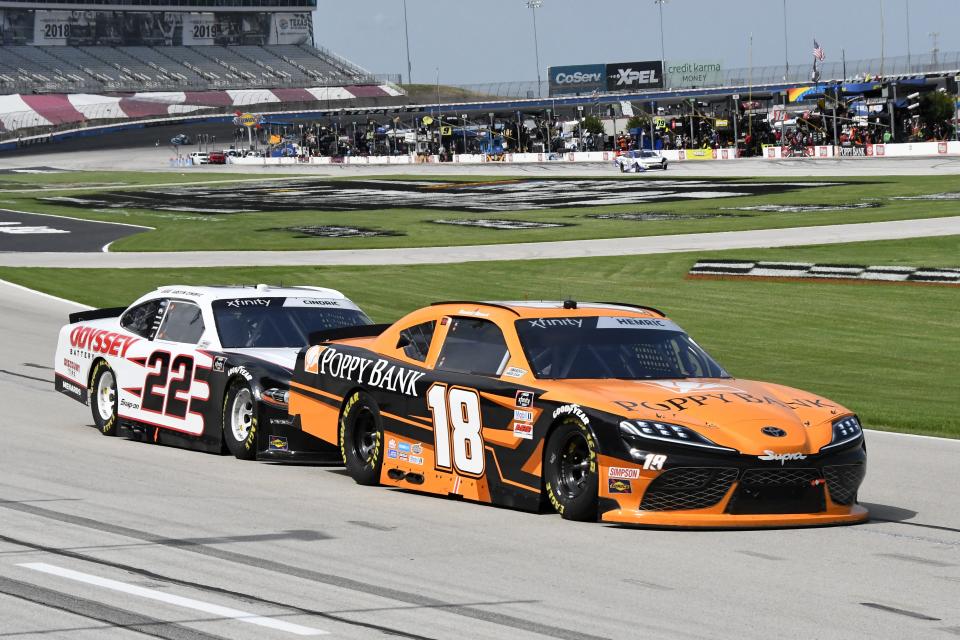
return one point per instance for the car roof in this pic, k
(218, 292)
(540, 308)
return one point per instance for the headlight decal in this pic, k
(667, 432)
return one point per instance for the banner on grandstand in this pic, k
(693, 73)
(581, 78)
(51, 27)
(631, 76)
(291, 28)
(200, 28)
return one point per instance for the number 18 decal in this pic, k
(456, 410)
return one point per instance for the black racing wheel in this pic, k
(361, 438)
(570, 471)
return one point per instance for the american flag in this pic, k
(818, 51)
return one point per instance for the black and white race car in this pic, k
(204, 368)
(640, 160)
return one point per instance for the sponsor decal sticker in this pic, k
(74, 367)
(392, 453)
(284, 422)
(404, 446)
(249, 302)
(403, 456)
(515, 372)
(126, 404)
(311, 358)
(543, 323)
(378, 373)
(391, 443)
(278, 443)
(418, 460)
(523, 430)
(218, 363)
(524, 399)
(416, 448)
(101, 341)
(623, 473)
(682, 403)
(522, 415)
(618, 486)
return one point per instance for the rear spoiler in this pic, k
(96, 314)
(344, 333)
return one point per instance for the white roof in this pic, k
(212, 293)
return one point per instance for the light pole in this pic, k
(909, 62)
(663, 63)
(406, 39)
(786, 49)
(534, 5)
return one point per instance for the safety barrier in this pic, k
(915, 149)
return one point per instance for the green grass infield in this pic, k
(183, 229)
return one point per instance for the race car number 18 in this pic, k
(456, 409)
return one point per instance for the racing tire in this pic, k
(623, 169)
(361, 438)
(240, 420)
(663, 165)
(103, 399)
(570, 471)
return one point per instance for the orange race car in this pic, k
(600, 410)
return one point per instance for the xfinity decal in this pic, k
(248, 302)
(543, 323)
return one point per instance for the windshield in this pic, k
(613, 347)
(281, 322)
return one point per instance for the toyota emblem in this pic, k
(773, 432)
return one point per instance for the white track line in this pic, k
(44, 295)
(169, 598)
(66, 217)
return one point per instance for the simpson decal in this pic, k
(623, 473)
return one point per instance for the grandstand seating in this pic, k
(27, 69)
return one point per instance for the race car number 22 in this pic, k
(456, 418)
(173, 379)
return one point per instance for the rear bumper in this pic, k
(693, 520)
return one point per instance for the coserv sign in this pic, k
(577, 79)
(630, 76)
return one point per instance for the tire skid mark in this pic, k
(902, 612)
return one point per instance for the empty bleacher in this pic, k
(25, 68)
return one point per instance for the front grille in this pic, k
(688, 488)
(843, 480)
(778, 490)
(779, 477)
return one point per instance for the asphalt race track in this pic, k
(110, 538)
(31, 232)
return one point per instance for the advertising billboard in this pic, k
(633, 76)
(577, 79)
(694, 73)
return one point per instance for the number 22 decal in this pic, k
(457, 410)
(173, 379)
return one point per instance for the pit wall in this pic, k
(915, 149)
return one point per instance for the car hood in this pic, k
(285, 358)
(729, 412)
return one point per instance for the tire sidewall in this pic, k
(366, 472)
(107, 427)
(245, 449)
(584, 506)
